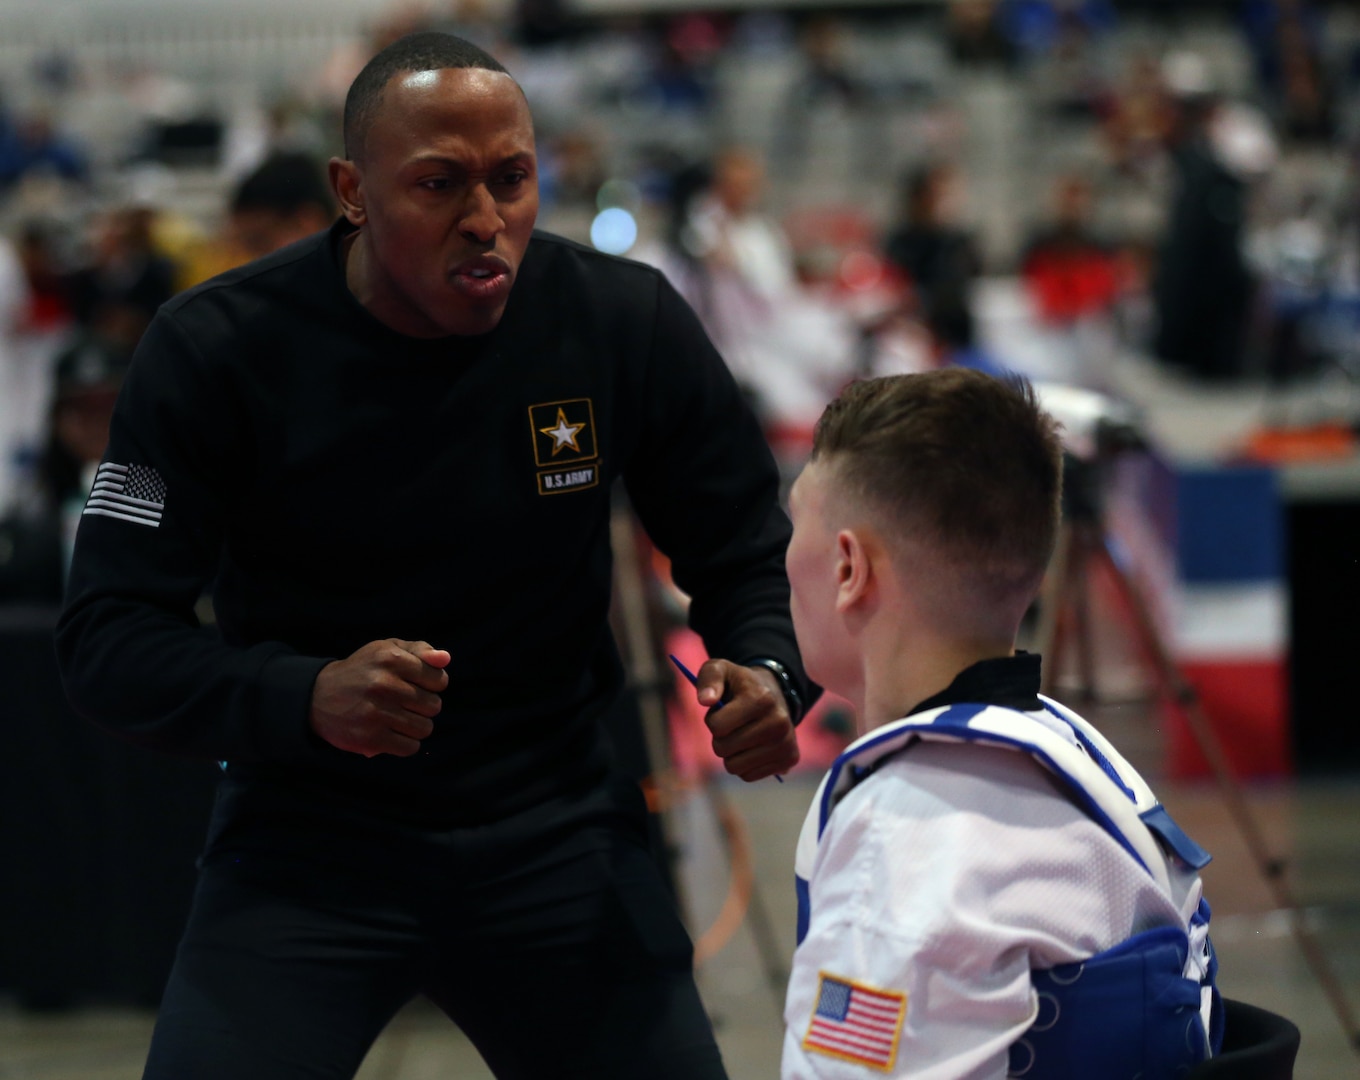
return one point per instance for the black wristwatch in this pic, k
(792, 698)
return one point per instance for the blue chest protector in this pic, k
(1146, 1008)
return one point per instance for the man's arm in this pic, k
(132, 654)
(706, 488)
(133, 657)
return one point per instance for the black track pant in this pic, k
(551, 942)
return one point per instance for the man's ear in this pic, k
(854, 570)
(347, 183)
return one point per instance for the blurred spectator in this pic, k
(730, 230)
(1286, 38)
(26, 355)
(1063, 40)
(15, 403)
(37, 534)
(126, 279)
(787, 346)
(1069, 270)
(287, 124)
(725, 256)
(1139, 118)
(49, 300)
(1306, 105)
(1202, 288)
(31, 145)
(953, 338)
(477, 21)
(571, 170)
(680, 77)
(939, 258)
(1297, 258)
(286, 198)
(31, 337)
(331, 81)
(977, 35)
(825, 72)
(1041, 27)
(823, 76)
(1000, 33)
(541, 23)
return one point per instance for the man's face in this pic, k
(446, 193)
(812, 564)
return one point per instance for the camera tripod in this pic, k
(1084, 549)
(637, 630)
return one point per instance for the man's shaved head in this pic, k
(424, 51)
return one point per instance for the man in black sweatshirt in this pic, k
(389, 448)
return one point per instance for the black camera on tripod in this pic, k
(1096, 429)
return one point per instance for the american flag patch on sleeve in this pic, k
(133, 493)
(855, 1022)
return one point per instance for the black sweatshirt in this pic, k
(338, 482)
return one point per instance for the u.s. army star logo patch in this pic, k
(565, 449)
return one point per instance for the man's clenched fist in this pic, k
(381, 699)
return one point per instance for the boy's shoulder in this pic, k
(1039, 746)
(1053, 738)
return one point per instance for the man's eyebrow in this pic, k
(521, 157)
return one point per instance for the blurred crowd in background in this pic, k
(1039, 185)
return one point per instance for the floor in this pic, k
(1314, 825)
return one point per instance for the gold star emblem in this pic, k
(563, 433)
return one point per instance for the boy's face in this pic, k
(813, 562)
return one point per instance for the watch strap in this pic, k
(792, 697)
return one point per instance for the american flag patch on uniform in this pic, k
(133, 493)
(856, 1022)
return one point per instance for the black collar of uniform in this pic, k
(1009, 681)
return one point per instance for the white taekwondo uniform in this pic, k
(990, 891)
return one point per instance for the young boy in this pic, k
(986, 888)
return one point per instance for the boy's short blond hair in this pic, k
(959, 461)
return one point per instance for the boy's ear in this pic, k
(854, 569)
